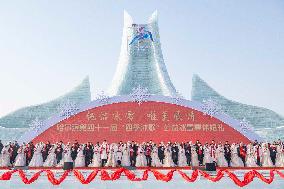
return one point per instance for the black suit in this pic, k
(44, 153)
(58, 153)
(14, 153)
(133, 154)
(227, 153)
(175, 154)
(188, 154)
(161, 153)
(1, 147)
(273, 153)
(88, 154)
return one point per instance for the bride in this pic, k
(96, 161)
(207, 155)
(194, 157)
(111, 161)
(266, 160)
(155, 158)
(21, 157)
(125, 156)
(220, 152)
(80, 159)
(37, 160)
(51, 158)
(279, 156)
(141, 159)
(5, 157)
(251, 156)
(181, 157)
(66, 156)
(236, 161)
(168, 161)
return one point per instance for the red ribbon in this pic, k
(193, 178)
(26, 180)
(53, 180)
(218, 177)
(279, 173)
(105, 176)
(81, 178)
(131, 176)
(7, 175)
(162, 177)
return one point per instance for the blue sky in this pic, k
(47, 47)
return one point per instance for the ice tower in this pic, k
(141, 60)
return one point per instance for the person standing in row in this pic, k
(148, 151)
(188, 153)
(148, 154)
(104, 152)
(1, 146)
(58, 152)
(161, 152)
(227, 153)
(133, 153)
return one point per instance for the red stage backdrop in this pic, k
(127, 121)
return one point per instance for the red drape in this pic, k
(31, 180)
(160, 176)
(53, 180)
(81, 178)
(7, 175)
(116, 174)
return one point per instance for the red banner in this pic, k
(157, 121)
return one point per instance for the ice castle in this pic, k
(141, 63)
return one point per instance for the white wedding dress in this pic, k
(96, 161)
(155, 158)
(194, 157)
(236, 161)
(266, 160)
(20, 160)
(5, 157)
(51, 160)
(181, 157)
(104, 149)
(37, 160)
(207, 157)
(66, 157)
(141, 158)
(80, 159)
(125, 156)
(251, 157)
(279, 156)
(111, 161)
(168, 161)
(220, 155)
(118, 154)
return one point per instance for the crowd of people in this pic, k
(146, 154)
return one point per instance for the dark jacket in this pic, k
(161, 152)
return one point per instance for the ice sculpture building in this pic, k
(141, 60)
(141, 63)
(265, 122)
(14, 124)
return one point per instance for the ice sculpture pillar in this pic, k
(141, 60)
